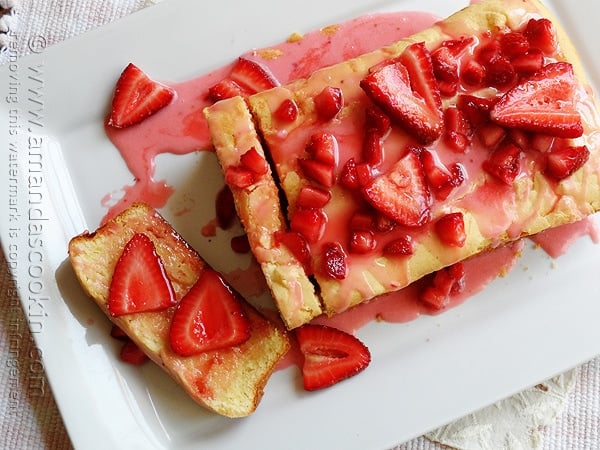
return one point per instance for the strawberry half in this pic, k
(407, 91)
(330, 355)
(402, 193)
(543, 103)
(209, 317)
(252, 75)
(139, 282)
(136, 97)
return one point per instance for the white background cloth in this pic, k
(563, 413)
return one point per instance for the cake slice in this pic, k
(477, 131)
(228, 380)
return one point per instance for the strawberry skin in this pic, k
(136, 97)
(139, 282)
(542, 103)
(252, 75)
(330, 355)
(209, 317)
(402, 193)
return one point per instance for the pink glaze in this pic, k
(556, 241)
(181, 128)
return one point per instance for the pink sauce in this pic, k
(181, 129)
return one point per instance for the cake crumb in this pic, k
(270, 53)
(331, 29)
(295, 37)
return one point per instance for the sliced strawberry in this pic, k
(362, 241)
(472, 73)
(372, 151)
(457, 142)
(402, 246)
(376, 121)
(310, 223)
(136, 97)
(504, 163)
(312, 197)
(296, 244)
(542, 103)
(500, 73)
(226, 88)
(117, 333)
(361, 221)
(455, 120)
(322, 146)
(139, 282)
(132, 354)
(322, 173)
(225, 208)
(239, 177)
(254, 161)
(563, 162)
(458, 46)
(252, 75)
(490, 134)
(475, 109)
(208, 317)
(445, 65)
(442, 285)
(541, 35)
(333, 262)
(330, 355)
(513, 44)
(450, 228)
(287, 111)
(407, 91)
(402, 192)
(441, 180)
(329, 102)
(529, 62)
(349, 176)
(240, 244)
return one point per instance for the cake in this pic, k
(227, 379)
(409, 159)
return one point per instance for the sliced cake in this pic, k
(179, 311)
(403, 161)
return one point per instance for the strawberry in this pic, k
(225, 208)
(239, 177)
(402, 246)
(349, 176)
(312, 197)
(361, 221)
(372, 151)
(513, 44)
(333, 262)
(328, 103)
(362, 241)
(376, 121)
(563, 162)
(330, 355)
(402, 192)
(541, 35)
(226, 88)
(296, 244)
(504, 163)
(445, 65)
(318, 171)
(136, 97)
(458, 46)
(472, 73)
(407, 91)
(441, 285)
(441, 179)
(208, 317)
(139, 282)
(500, 73)
(450, 228)
(287, 111)
(309, 223)
(322, 146)
(132, 354)
(543, 103)
(490, 134)
(117, 333)
(529, 62)
(240, 244)
(252, 75)
(254, 161)
(475, 109)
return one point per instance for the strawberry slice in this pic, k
(136, 97)
(334, 263)
(402, 246)
(252, 75)
(563, 162)
(309, 223)
(208, 317)
(254, 161)
(132, 354)
(287, 111)
(296, 244)
(226, 88)
(504, 163)
(402, 193)
(139, 282)
(330, 355)
(329, 102)
(542, 103)
(450, 228)
(225, 208)
(406, 89)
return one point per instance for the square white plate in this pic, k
(533, 324)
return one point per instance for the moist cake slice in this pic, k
(477, 131)
(229, 378)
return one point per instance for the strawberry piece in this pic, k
(240, 244)
(318, 171)
(500, 73)
(131, 354)
(490, 134)
(139, 282)
(475, 109)
(361, 221)
(543, 103)
(296, 244)
(310, 223)
(402, 192)
(349, 176)
(407, 91)
(209, 317)
(323, 147)
(226, 88)
(541, 35)
(442, 285)
(542, 143)
(330, 355)
(457, 142)
(117, 333)
(441, 180)
(362, 241)
(137, 97)
(529, 62)
(455, 120)
(225, 208)
(254, 161)
(287, 111)
(458, 46)
(513, 44)
(328, 103)
(450, 228)
(333, 262)
(312, 197)
(376, 121)
(239, 176)
(372, 151)
(504, 163)
(252, 75)
(563, 162)
(445, 65)
(472, 73)
(402, 246)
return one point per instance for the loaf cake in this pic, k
(398, 163)
(227, 380)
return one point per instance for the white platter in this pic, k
(535, 323)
